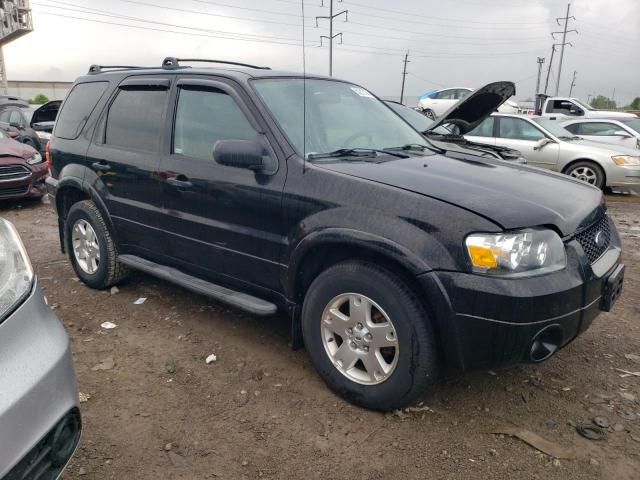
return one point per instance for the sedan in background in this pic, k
(22, 170)
(620, 132)
(435, 103)
(39, 408)
(544, 143)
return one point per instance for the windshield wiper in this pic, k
(408, 146)
(355, 152)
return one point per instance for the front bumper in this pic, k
(486, 322)
(623, 176)
(31, 185)
(38, 392)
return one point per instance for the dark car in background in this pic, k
(397, 261)
(29, 124)
(443, 132)
(22, 170)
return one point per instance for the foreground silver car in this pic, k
(544, 143)
(39, 415)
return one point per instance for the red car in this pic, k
(22, 170)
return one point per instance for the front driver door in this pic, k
(524, 136)
(223, 222)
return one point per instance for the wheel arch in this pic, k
(70, 191)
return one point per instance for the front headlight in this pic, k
(626, 160)
(520, 253)
(43, 135)
(37, 158)
(16, 274)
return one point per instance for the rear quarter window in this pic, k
(77, 108)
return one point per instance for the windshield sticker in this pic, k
(362, 92)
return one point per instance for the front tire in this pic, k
(91, 248)
(430, 114)
(589, 172)
(368, 336)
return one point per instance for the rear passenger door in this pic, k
(125, 156)
(223, 222)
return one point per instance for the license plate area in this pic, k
(612, 288)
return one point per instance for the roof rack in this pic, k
(173, 63)
(95, 69)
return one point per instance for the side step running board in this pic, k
(240, 300)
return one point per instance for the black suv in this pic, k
(396, 261)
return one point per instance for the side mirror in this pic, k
(576, 111)
(542, 142)
(621, 133)
(239, 154)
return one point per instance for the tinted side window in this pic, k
(599, 129)
(573, 128)
(135, 119)
(78, 107)
(15, 117)
(485, 129)
(518, 129)
(205, 116)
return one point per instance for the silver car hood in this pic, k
(597, 147)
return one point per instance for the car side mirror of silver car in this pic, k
(542, 142)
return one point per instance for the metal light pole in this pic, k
(404, 75)
(540, 62)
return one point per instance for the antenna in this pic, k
(304, 98)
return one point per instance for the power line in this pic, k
(413, 14)
(139, 27)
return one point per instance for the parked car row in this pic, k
(435, 103)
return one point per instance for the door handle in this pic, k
(101, 166)
(174, 181)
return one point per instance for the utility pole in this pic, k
(540, 62)
(564, 42)
(404, 75)
(546, 82)
(331, 35)
(573, 82)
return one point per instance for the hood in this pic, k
(469, 112)
(14, 149)
(510, 195)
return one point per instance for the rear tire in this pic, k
(91, 248)
(383, 362)
(588, 172)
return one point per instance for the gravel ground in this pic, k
(157, 410)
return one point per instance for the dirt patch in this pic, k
(157, 410)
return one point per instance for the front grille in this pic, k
(47, 459)
(600, 231)
(10, 192)
(9, 173)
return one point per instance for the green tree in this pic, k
(635, 105)
(39, 99)
(603, 103)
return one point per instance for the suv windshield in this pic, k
(633, 123)
(553, 128)
(338, 116)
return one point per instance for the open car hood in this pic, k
(468, 113)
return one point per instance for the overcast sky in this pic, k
(461, 43)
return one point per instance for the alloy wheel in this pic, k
(85, 246)
(359, 338)
(585, 174)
